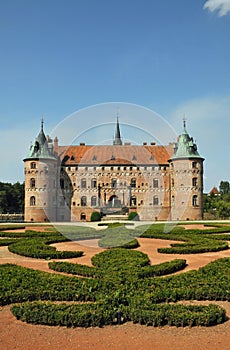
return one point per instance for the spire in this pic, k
(42, 122)
(184, 125)
(117, 139)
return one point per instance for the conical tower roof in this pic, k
(39, 149)
(117, 138)
(185, 147)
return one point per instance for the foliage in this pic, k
(119, 279)
(77, 233)
(95, 216)
(11, 198)
(74, 269)
(133, 216)
(195, 241)
(218, 206)
(39, 248)
(118, 236)
(91, 315)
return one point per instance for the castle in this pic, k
(68, 183)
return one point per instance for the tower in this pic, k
(117, 138)
(40, 180)
(186, 175)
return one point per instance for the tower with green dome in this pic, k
(40, 168)
(186, 174)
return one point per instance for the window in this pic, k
(194, 164)
(93, 183)
(32, 183)
(83, 183)
(133, 183)
(93, 201)
(173, 200)
(114, 183)
(155, 183)
(32, 201)
(33, 165)
(83, 201)
(172, 182)
(133, 200)
(195, 201)
(83, 216)
(194, 181)
(155, 200)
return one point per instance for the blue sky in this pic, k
(61, 56)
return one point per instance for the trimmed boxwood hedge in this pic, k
(92, 315)
(39, 248)
(120, 279)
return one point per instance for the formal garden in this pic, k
(121, 285)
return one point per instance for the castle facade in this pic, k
(69, 183)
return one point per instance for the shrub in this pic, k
(95, 216)
(133, 216)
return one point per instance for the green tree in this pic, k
(224, 187)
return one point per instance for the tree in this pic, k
(224, 187)
(11, 198)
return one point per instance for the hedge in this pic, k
(38, 248)
(92, 315)
(74, 269)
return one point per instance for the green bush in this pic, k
(74, 269)
(39, 248)
(95, 216)
(92, 315)
(133, 216)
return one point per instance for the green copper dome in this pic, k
(185, 147)
(40, 149)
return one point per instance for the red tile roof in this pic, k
(126, 154)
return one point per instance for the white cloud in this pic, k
(222, 6)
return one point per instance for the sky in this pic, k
(153, 62)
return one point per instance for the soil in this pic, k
(18, 335)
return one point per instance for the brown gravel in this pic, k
(21, 336)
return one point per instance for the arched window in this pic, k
(195, 201)
(194, 181)
(83, 201)
(133, 183)
(93, 201)
(155, 183)
(155, 200)
(32, 183)
(33, 165)
(83, 183)
(93, 183)
(32, 201)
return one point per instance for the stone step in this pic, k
(114, 218)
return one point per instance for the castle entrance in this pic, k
(114, 202)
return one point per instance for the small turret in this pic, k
(185, 147)
(40, 148)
